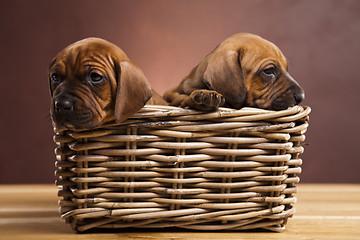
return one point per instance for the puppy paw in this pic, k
(207, 97)
(204, 100)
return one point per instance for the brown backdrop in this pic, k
(166, 39)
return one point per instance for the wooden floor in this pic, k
(323, 212)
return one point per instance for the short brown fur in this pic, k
(244, 70)
(92, 82)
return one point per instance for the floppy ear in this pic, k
(224, 75)
(133, 90)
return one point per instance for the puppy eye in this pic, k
(95, 77)
(55, 77)
(270, 72)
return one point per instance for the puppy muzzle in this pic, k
(66, 113)
(293, 95)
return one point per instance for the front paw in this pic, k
(208, 98)
(204, 100)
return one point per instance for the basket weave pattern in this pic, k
(174, 167)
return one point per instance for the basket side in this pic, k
(230, 172)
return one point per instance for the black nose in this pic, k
(299, 97)
(63, 105)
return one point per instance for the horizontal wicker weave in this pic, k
(174, 167)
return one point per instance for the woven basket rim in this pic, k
(187, 114)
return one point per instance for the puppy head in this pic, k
(268, 83)
(252, 72)
(92, 82)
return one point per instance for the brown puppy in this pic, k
(244, 70)
(92, 82)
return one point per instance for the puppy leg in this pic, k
(174, 98)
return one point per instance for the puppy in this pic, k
(92, 81)
(244, 70)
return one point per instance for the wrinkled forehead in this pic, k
(78, 56)
(93, 53)
(259, 51)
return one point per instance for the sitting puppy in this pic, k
(244, 70)
(92, 82)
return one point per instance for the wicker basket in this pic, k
(174, 167)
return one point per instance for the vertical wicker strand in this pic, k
(132, 169)
(180, 175)
(64, 186)
(295, 155)
(81, 185)
(225, 180)
(281, 164)
(275, 183)
(133, 159)
(86, 175)
(175, 174)
(127, 158)
(233, 159)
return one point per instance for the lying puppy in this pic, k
(244, 70)
(92, 82)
